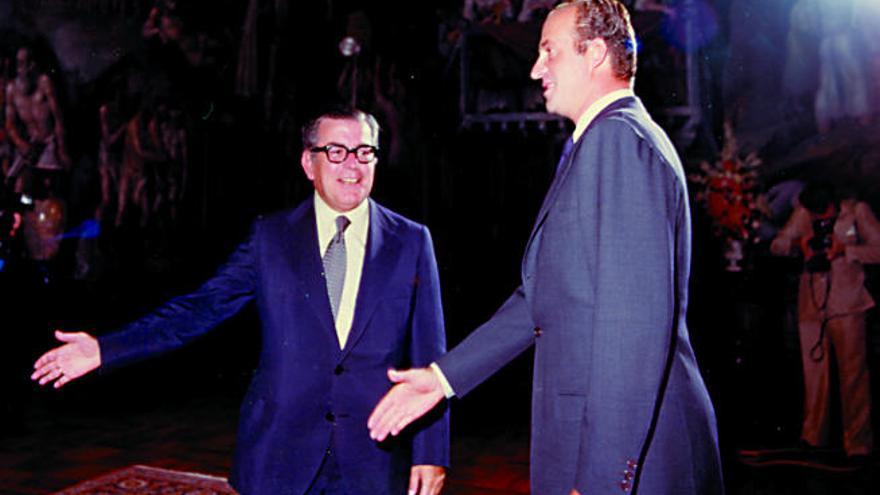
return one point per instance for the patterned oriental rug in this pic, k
(145, 480)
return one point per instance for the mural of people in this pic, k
(36, 129)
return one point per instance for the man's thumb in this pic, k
(65, 336)
(398, 376)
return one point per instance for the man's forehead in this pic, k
(356, 128)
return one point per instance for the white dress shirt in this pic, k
(355, 247)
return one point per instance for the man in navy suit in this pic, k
(330, 330)
(618, 401)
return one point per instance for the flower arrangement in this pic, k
(727, 189)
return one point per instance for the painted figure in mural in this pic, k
(33, 122)
(36, 130)
(109, 155)
(142, 149)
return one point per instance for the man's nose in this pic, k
(538, 69)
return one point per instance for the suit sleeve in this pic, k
(184, 318)
(630, 212)
(428, 342)
(492, 345)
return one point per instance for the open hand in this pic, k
(417, 391)
(79, 355)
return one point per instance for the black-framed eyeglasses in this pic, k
(337, 153)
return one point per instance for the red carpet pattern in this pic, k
(145, 480)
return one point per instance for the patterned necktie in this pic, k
(566, 151)
(334, 264)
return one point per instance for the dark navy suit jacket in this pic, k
(308, 394)
(617, 394)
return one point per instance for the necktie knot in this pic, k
(342, 223)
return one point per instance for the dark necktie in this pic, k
(334, 264)
(566, 151)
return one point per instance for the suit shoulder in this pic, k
(269, 220)
(627, 120)
(633, 131)
(397, 221)
(273, 217)
(279, 219)
(626, 129)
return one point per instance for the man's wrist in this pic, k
(448, 392)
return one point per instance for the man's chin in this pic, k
(350, 204)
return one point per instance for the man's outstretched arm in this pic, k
(79, 355)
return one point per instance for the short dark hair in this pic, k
(310, 129)
(610, 21)
(816, 197)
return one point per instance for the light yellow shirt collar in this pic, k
(584, 121)
(325, 217)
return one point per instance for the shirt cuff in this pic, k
(444, 383)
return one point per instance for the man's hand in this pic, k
(574, 492)
(79, 355)
(417, 391)
(426, 480)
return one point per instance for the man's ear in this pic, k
(598, 51)
(307, 164)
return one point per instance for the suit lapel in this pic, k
(302, 239)
(565, 167)
(381, 251)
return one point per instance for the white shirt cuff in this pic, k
(444, 383)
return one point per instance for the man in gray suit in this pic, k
(618, 400)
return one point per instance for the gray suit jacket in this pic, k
(618, 400)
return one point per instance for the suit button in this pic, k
(330, 417)
(538, 331)
(338, 369)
